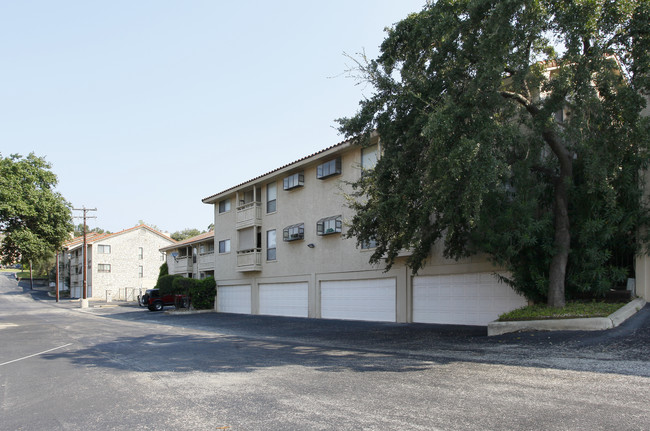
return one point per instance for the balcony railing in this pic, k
(181, 265)
(249, 260)
(249, 214)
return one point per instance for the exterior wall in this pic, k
(198, 262)
(125, 262)
(332, 257)
(642, 264)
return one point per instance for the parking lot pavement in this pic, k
(624, 349)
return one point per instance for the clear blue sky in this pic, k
(146, 107)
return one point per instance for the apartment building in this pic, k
(120, 264)
(193, 257)
(280, 249)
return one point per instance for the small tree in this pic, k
(164, 270)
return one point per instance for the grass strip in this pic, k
(572, 310)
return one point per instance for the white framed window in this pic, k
(224, 246)
(224, 206)
(368, 157)
(140, 253)
(294, 180)
(271, 197)
(103, 267)
(294, 232)
(162, 256)
(270, 245)
(141, 271)
(329, 225)
(103, 249)
(328, 169)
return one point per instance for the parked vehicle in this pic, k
(153, 300)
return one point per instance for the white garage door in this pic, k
(358, 300)
(234, 299)
(462, 299)
(284, 299)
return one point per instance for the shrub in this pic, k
(201, 292)
(164, 270)
(204, 293)
(166, 286)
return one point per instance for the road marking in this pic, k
(35, 354)
(7, 325)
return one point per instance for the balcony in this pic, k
(249, 214)
(249, 260)
(180, 265)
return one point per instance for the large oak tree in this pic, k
(511, 127)
(34, 218)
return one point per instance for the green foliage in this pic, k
(166, 284)
(201, 292)
(185, 234)
(35, 219)
(79, 230)
(475, 158)
(572, 310)
(164, 270)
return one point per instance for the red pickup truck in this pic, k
(153, 300)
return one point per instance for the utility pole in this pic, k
(84, 300)
(56, 285)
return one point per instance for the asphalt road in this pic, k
(127, 368)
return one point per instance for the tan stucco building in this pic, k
(280, 249)
(193, 257)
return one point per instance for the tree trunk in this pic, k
(562, 236)
(562, 244)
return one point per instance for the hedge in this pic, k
(201, 292)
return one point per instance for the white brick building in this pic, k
(121, 263)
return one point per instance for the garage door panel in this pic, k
(372, 300)
(464, 299)
(234, 299)
(284, 299)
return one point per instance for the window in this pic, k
(271, 197)
(141, 271)
(140, 253)
(270, 245)
(293, 181)
(162, 257)
(224, 246)
(369, 244)
(103, 267)
(224, 206)
(104, 249)
(327, 169)
(368, 157)
(206, 248)
(294, 232)
(329, 225)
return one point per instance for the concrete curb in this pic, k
(585, 324)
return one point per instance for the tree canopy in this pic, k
(185, 234)
(79, 230)
(34, 218)
(514, 128)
